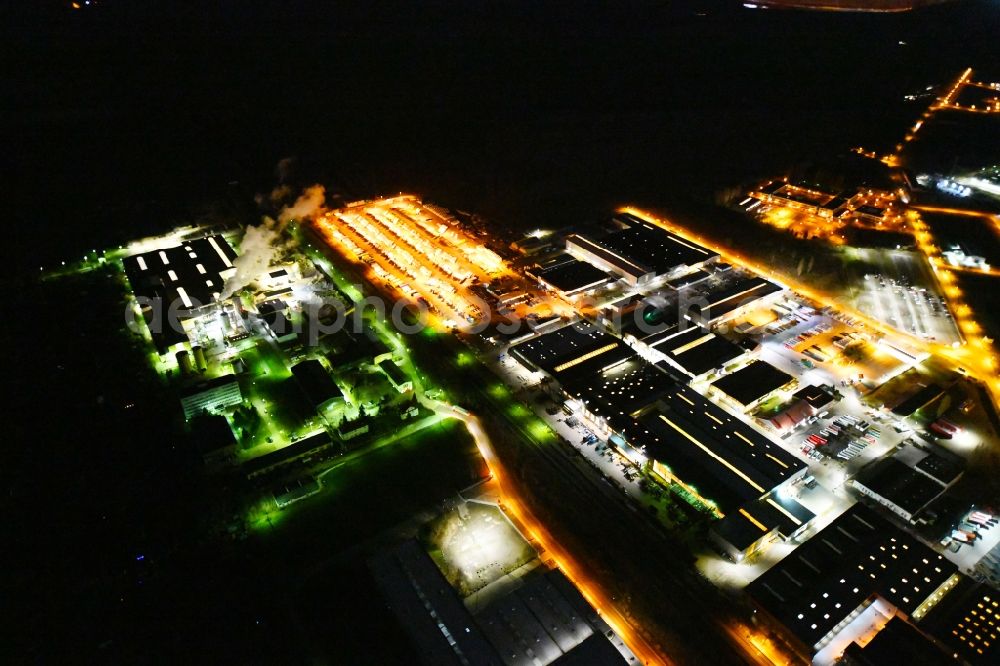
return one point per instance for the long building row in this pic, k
(658, 421)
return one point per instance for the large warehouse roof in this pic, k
(620, 392)
(744, 291)
(189, 273)
(752, 382)
(558, 623)
(429, 609)
(573, 277)
(967, 620)
(654, 246)
(697, 350)
(728, 461)
(316, 383)
(185, 276)
(748, 524)
(578, 349)
(858, 555)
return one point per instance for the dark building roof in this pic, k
(593, 651)
(189, 266)
(289, 491)
(394, 372)
(752, 382)
(578, 349)
(858, 555)
(918, 400)
(719, 303)
(835, 203)
(622, 391)
(561, 259)
(572, 277)
(210, 433)
(649, 319)
(942, 467)
(273, 305)
(191, 271)
(433, 615)
(287, 454)
(694, 277)
(744, 527)
(899, 642)
(899, 484)
(653, 246)
(545, 621)
(816, 397)
(726, 459)
(871, 210)
(697, 350)
(316, 383)
(967, 620)
(559, 625)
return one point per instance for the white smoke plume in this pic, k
(260, 246)
(279, 194)
(308, 204)
(267, 243)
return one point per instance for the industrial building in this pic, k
(807, 401)
(750, 529)
(570, 278)
(696, 276)
(274, 313)
(904, 489)
(212, 395)
(640, 319)
(967, 621)
(302, 449)
(683, 438)
(919, 399)
(898, 642)
(639, 252)
(399, 380)
(213, 439)
(543, 621)
(611, 399)
(289, 492)
(317, 385)
(725, 462)
(694, 351)
(579, 348)
(710, 308)
(827, 583)
(179, 280)
(751, 385)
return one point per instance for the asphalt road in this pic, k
(648, 572)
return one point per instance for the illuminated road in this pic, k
(535, 530)
(949, 97)
(976, 271)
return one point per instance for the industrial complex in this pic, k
(674, 368)
(505, 334)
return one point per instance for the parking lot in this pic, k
(823, 350)
(899, 289)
